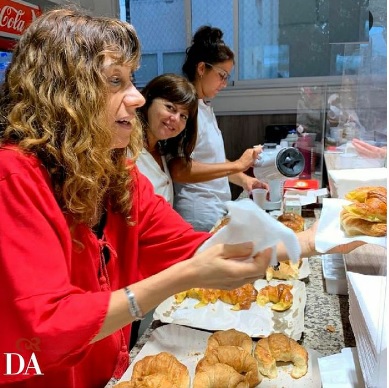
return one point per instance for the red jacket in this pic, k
(54, 293)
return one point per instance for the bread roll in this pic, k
(162, 363)
(219, 376)
(279, 347)
(280, 295)
(230, 337)
(237, 358)
(292, 221)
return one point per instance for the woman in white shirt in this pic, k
(169, 124)
(202, 187)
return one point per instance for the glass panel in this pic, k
(276, 39)
(160, 25)
(216, 14)
(148, 69)
(172, 62)
(282, 39)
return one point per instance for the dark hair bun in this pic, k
(208, 35)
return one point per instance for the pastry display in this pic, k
(234, 356)
(219, 375)
(292, 221)
(367, 214)
(240, 298)
(230, 337)
(279, 347)
(162, 363)
(280, 295)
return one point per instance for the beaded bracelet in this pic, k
(135, 310)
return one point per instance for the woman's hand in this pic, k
(250, 183)
(307, 243)
(248, 158)
(228, 266)
(367, 150)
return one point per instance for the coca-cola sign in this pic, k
(15, 17)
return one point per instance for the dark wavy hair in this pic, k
(178, 90)
(53, 104)
(207, 46)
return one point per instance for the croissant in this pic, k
(204, 295)
(280, 295)
(162, 363)
(236, 357)
(286, 270)
(219, 375)
(360, 194)
(367, 214)
(230, 337)
(279, 347)
(292, 221)
(219, 224)
(241, 297)
(354, 226)
(152, 381)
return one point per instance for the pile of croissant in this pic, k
(240, 298)
(367, 214)
(231, 360)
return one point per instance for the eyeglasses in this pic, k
(224, 76)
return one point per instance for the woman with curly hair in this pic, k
(86, 247)
(169, 126)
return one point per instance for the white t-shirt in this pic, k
(202, 204)
(161, 180)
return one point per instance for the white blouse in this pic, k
(161, 179)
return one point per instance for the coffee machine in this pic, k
(274, 165)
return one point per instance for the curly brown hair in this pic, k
(53, 104)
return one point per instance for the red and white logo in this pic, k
(16, 16)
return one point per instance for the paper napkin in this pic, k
(248, 222)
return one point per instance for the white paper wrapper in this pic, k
(258, 321)
(188, 346)
(248, 222)
(329, 232)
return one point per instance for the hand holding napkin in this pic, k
(248, 222)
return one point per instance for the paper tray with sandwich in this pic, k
(247, 223)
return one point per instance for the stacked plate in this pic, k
(368, 318)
